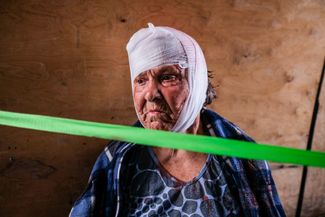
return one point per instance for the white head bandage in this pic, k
(155, 46)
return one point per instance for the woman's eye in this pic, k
(140, 81)
(168, 77)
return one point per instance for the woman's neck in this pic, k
(184, 165)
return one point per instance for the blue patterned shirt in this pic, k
(153, 191)
(250, 182)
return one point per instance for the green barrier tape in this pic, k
(196, 143)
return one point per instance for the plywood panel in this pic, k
(68, 59)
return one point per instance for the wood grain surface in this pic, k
(68, 59)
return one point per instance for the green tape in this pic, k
(196, 143)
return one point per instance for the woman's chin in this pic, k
(157, 125)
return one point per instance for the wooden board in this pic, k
(68, 59)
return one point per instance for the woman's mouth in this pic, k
(154, 112)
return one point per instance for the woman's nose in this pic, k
(152, 91)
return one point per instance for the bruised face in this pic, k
(159, 96)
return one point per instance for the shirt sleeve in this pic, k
(97, 199)
(262, 184)
(259, 176)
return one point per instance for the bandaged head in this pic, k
(156, 46)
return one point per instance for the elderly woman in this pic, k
(170, 89)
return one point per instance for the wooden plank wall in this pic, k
(68, 59)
